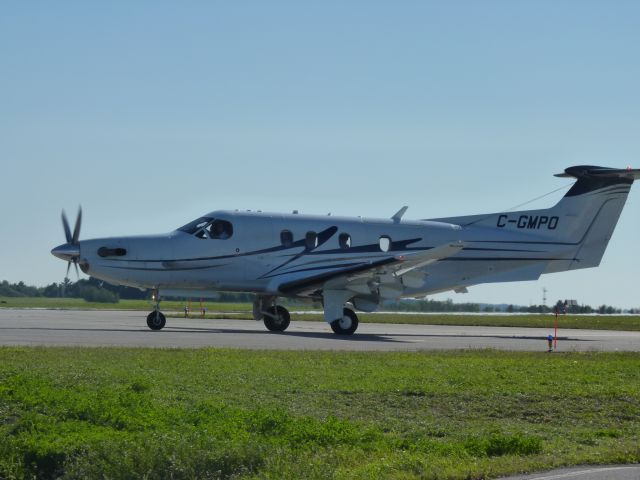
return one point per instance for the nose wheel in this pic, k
(156, 320)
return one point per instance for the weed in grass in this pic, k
(166, 456)
(497, 444)
(608, 433)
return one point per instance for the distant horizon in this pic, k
(427, 298)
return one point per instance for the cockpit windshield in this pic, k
(207, 227)
(193, 227)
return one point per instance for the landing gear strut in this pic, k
(156, 319)
(346, 325)
(275, 317)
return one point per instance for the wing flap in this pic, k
(422, 259)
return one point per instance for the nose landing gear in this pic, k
(156, 319)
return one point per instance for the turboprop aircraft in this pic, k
(354, 263)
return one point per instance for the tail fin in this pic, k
(592, 207)
(584, 218)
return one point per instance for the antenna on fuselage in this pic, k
(398, 216)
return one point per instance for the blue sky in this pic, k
(150, 114)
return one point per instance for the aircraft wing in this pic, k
(383, 271)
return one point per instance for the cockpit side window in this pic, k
(220, 229)
(207, 227)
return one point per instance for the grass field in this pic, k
(148, 413)
(243, 311)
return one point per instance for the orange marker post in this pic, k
(555, 331)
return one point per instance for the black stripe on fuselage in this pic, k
(297, 285)
(163, 269)
(311, 269)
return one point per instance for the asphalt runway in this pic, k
(129, 329)
(606, 472)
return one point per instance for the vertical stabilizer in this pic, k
(583, 220)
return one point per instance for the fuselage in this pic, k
(264, 250)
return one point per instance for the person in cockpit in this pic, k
(218, 230)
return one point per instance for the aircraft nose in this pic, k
(66, 251)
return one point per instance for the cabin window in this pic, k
(345, 241)
(220, 229)
(385, 243)
(286, 238)
(311, 239)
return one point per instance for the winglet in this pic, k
(398, 216)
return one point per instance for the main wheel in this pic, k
(278, 319)
(156, 320)
(346, 325)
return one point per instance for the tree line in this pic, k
(448, 305)
(94, 290)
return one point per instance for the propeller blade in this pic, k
(65, 224)
(76, 228)
(71, 250)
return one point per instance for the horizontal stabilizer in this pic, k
(592, 171)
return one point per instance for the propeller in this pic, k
(70, 251)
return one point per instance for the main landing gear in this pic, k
(277, 318)
(346, 325)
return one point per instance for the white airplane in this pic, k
(352, 263)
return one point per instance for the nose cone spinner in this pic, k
(66, 251)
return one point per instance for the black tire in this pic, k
(279, 319)
(346, 325)
(156, 320)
